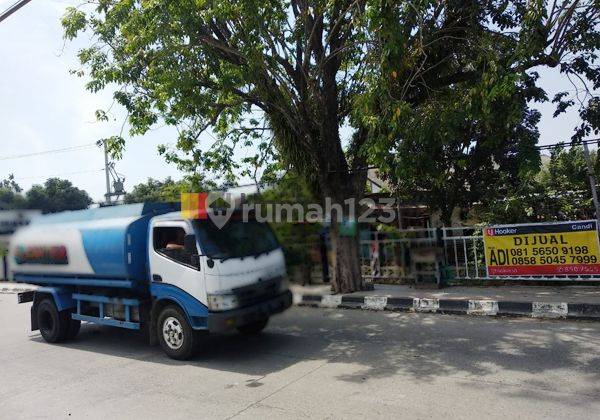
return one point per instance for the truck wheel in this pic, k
(175, 335)
(254, 327)
(73, 330)
(53, 324)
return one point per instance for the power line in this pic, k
(59, 174)
(49, 152)
(12, 9)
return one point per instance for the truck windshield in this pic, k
(236, 239)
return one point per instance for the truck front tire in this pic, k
(175, 335)
(53, 325)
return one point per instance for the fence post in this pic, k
(590, 168)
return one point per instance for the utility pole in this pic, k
(108, 166)
(107, 174)
(12, 9)
(590, 168)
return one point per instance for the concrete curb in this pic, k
(554, 310)
(9, 287)
(476, 307)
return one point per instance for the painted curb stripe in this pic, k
(352, 302)
(399, 304)
(482, 307)
(376, 303)
(549, 310)
(426, 305)
(311, 300)
(514, 308)
(583, 310)
(453, 306)
(331, 301)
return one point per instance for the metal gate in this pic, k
(464, 257)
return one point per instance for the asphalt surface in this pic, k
(311, 363)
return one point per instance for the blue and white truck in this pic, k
(144, 266)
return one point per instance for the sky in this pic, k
(43, 107)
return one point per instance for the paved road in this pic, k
(311, 363)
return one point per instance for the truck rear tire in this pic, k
(254, 327)
(53, 324)
(175, 335)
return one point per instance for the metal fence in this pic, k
(463, 252)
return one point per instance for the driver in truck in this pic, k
(177, 240)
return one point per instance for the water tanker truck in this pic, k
(145, 267)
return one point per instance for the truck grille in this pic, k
(258, 292)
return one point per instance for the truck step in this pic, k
(128, 303)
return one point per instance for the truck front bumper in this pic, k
(228, 320)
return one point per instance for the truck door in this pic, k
(170, 263)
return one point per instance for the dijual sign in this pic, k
(564, 248)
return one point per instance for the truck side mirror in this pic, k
(190, 244)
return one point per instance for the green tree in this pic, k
(10, 194)
(566, 182)
(449, 112)
(57, 195)
(242, 68)
(559, 191)
(168, 190)
(152, 191)
(450, 158)
(295, 236)
(289, 74)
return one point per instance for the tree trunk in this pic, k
(347, 277)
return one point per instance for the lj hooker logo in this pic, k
(218, 206)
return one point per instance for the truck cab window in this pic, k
(170, 242)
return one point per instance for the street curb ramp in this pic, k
(475, 307)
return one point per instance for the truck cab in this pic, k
(237, 272)
(150, 268)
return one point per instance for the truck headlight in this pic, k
(222, 302)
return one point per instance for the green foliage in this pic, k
(57, 195)
(278, 78)
(451, 156)
(291, 188)
(166, 191)
(428, 80)
(559, 191)
(294, 237)
(10, 194)
(283, 76)
(448, 112)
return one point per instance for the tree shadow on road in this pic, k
(534, 354)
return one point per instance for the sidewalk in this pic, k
(582, 302)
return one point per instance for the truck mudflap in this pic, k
(228, 320)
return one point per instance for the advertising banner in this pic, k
(562, 248)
